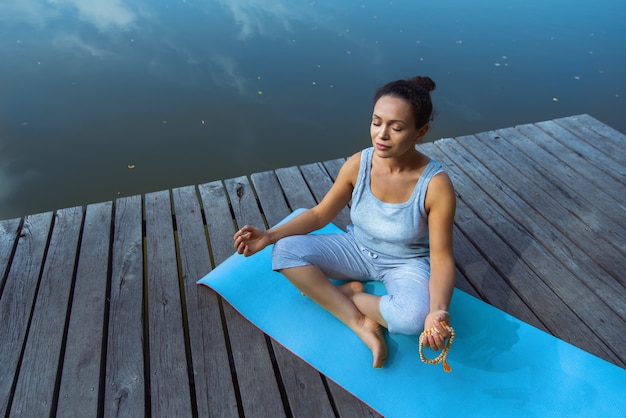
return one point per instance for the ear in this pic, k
(420, 134)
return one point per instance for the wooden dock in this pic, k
(101, 314)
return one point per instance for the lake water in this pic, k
(107, 98)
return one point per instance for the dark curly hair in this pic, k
(414, 90)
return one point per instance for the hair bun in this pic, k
(425, 82)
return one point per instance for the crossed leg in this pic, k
(342, 302)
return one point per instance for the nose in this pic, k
(383, 132)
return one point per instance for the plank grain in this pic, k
(80, 386)
(36, 385)
(125, 380)
(18, 298)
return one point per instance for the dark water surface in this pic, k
(107, 98)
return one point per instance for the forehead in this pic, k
(393, 108)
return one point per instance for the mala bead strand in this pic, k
(444, 353)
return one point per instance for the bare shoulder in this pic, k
(442, 181)
(440, 192)
(354, 160)
(350, 169)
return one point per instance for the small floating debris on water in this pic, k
(499, 64)
(576, 77)
(131, 166)
(259, 92)
(554, 99)
(202, 121)
(459, 42)
(164, 122)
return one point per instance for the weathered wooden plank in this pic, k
(605, 144)
(295, 188)
(213, 383)
(491, 286)
(220, 224)
(35, 388)
(609, 134)
(512, 249)
(169, 382)
(320, 182)
(125, 381)
(465, 285)
(334, 166)
(270, 197)
(584, 167)
(604, 162)
(597, 265)
(552, 198)
(9, 230)
(249, 349)
(592, 198)
(349, 406)
(17, 299)
(79, 393)
(552, 203)
(303, 384)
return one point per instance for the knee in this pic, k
(285, 253)
(403, 318)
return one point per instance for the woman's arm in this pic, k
(440, 206)
(249, 239)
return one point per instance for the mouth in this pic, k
(382, 147)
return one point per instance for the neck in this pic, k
(410, 160)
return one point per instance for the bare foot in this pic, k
(350, 289)
(371, 333)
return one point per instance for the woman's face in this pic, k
(393, 129)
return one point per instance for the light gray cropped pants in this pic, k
(339, 256)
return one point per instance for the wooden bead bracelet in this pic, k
(444, 353)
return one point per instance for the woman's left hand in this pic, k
(434, 322)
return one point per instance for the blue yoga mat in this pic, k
(501, 366)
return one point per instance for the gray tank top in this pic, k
(391, 229)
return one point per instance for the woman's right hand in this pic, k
(249, 240)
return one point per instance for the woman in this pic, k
(402, 214)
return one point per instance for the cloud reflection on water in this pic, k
(103, 14)
(255, 17)
(254, 74)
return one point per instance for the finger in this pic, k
(433, 343)
(241, 248)
(437, 342)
